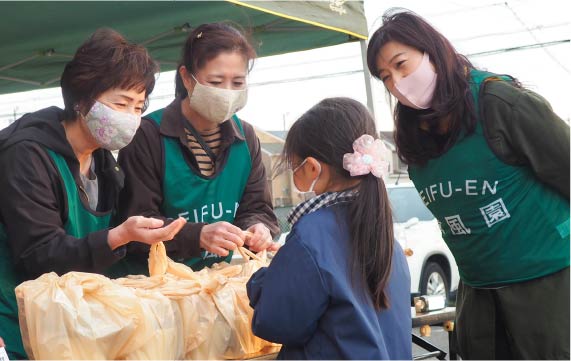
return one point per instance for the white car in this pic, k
(433, 270)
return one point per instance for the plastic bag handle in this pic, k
(247, 254)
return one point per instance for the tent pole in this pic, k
(18, 80)
(19, 62)
(367, 75)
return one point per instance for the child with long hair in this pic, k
(339, 287)
(490, 159)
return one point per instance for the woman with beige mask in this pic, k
(195, 158)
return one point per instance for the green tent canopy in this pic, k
(37, 38)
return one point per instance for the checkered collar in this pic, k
(323, 200)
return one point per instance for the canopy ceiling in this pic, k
(37, 38)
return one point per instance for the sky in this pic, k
(282, 87)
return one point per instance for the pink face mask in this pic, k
(417, 89)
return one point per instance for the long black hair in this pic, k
(326, 132)
(452, 101)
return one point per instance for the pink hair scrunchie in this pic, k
(368, 158)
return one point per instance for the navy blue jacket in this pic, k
(307, 300)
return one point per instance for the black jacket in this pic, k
(33, 202)
(522, 130)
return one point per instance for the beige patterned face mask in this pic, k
(215, 104)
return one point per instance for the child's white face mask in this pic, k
(309, 193)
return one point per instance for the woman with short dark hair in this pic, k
(201, 161)
(490, 160)
(59, 183)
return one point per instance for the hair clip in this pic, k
(199, 35)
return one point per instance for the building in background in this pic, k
(280, 183)
(398, 170)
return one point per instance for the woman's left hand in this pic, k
(261, 239)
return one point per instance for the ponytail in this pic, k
(372, 229)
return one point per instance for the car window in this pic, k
(406, 204)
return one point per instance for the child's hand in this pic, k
(259, 238)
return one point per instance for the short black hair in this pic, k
(105, 61)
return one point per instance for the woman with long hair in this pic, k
(490, 160)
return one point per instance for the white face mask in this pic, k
(215, 104)
(310, 193)
(111, 129)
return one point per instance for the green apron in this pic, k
(200, 199)
(9, 326)
(502, 224)
(80, 222)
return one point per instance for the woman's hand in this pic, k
(261, 239)
(220, 238)
(143, 229)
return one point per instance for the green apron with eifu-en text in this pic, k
(80, 222)
(501, 223)
(188, 194)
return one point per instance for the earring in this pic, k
(78, 111)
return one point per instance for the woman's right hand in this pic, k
(143, 229)
(221, 237)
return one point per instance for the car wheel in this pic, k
(434, 281)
